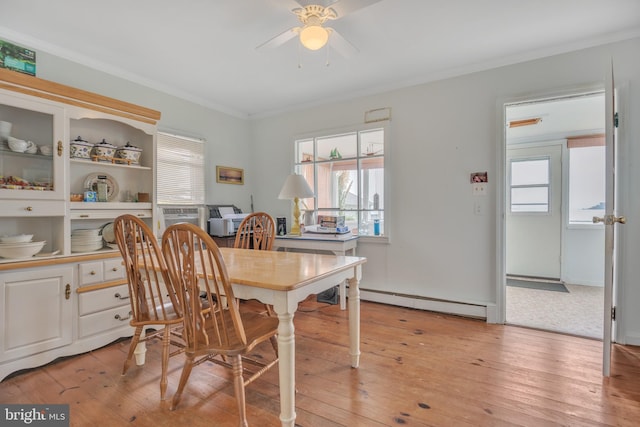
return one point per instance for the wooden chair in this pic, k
(151, 293)
(195, 264)
(256, 231)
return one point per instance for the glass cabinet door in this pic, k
(31, 149)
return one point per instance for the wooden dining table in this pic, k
(283, 279)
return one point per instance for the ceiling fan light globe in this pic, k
(313, 37)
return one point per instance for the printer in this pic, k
(224, 220)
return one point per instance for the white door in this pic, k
(534, 214)
(610, 219)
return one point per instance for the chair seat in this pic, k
(170, 318)
(258, 328)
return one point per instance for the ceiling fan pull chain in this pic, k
(327, 48)
(299, 55)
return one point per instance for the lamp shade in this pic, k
(295, 186)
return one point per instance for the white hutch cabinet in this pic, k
(63, 302)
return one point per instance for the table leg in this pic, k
(141, 349)
(354, 318)
(343, 285)
(287, 368)
(343, 295)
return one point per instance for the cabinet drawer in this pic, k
(32, 208)
(95, 323)
(109, 213)
(103, 299)
(91, 272)
(113, 269)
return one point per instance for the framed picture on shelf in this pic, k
(227, 175)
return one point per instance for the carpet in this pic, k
(532, 284)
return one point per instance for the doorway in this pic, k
(553, 252)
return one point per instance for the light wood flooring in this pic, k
(417, 369)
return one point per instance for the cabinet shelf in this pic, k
(79, 206)
(108, 164)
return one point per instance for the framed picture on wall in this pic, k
(227, 175)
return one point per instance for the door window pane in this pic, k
(530, 185)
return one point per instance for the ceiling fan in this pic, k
(312, 34)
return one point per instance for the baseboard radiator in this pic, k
(467, 309)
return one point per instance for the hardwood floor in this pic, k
(417, 369)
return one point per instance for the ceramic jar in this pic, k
(103, 151)
(80, 149)
(130, 153)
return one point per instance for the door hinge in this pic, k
(615, 120)
(613, 313)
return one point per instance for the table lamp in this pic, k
(295, 187)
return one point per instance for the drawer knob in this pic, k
(120, 296)
(28, 208)
(114, 269)
(122, 319)
(93, 273)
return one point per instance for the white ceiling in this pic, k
(204, 50)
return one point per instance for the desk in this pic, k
(339, 244)
(283, 279)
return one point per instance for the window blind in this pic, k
(180, 168)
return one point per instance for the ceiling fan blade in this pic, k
(345, 7)
(342, 45)
(280, 39)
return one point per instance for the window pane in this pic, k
(529, 195)
(306, 170)
(372, 142)
(529, 172)
(337, 185)
(337, 147)
(367, 220)
(586, 184)
(530, 199)
(372, 183)
(304, 151)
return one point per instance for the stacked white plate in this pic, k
(19, 246)
(86, 240)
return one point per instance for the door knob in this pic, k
(610, 219)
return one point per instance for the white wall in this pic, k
(440, 133)
(583, 257)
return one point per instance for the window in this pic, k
(530, 185)
(586, 178)
(180, 170)
(346, 172)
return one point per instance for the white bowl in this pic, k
(20, 250)
(18, 238)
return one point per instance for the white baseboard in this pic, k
(477, 310)
(632, 339)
